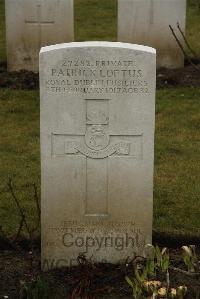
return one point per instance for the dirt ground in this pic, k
(186, 77)
(20, 261)
(86, 281)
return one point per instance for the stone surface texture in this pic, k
(31, 24)
(146, 22)
(97, 151)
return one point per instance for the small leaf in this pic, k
(129, 281)
(187, 250)
(164, 250)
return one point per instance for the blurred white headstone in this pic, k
(146, 22)
(31, 24)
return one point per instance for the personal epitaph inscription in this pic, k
(31, 24)
(97, 140)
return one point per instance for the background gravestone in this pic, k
(147, 22)
(97, 150)
(31, 24)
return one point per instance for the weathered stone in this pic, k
(146, 22)
(31, 24)
(97, 150)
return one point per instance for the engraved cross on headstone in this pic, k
(39, 23)
(98, 146)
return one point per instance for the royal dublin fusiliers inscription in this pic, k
(115, 76)
(97, 140)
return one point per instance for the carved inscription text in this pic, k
(84, 76)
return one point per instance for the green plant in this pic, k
(156, 259)
(35, 289)
(137, 283)
(150, 260)
(141, 284)
(181, 292)
(190, 258)
(162, 258)
(136, 287)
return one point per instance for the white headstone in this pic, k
(97, 150)
(147, 22)
(31, 24)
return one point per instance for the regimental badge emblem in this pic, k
(96, 137)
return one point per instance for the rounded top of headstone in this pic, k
(98, 44)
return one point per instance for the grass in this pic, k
(95, 20)
(177, 165)
(2, 32)
(193, 25)
(177, 161)
(19, 153)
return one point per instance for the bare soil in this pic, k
(189, 76)
(86, 281)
